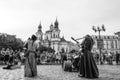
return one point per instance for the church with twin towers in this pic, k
(51, 38)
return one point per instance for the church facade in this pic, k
(51, 38)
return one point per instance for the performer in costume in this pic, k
(88, 67)
(30, 60)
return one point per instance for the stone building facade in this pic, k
(111, 43)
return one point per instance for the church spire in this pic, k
(40, 26)
(56, 23)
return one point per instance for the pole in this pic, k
(100, 45)
(100, 56)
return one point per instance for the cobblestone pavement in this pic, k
(54, 72)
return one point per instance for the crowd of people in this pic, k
(47, 57)
(9, 56)
(107, 58)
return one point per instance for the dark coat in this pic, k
(88, 67)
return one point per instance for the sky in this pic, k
(75, 17)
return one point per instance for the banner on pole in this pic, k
(100, 43)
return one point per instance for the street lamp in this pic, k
(100, 41)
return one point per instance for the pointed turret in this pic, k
(63, 39)
(56, 23)
(40, 26)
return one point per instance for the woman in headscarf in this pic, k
(88, 67)
(30, 60)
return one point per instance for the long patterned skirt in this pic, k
(88, 67)
(30, 69)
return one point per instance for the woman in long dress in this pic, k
(88, 67)
(30, 69)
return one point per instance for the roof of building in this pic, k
(40, 26)
(48, 31)
(63, 39)
(105, 36)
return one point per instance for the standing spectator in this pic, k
(7, 53)
(63, 58)
(117, 58)
(2, 55)
(58, 58)
(110, 58)
(11, 56)
(97, 58)
(104, 58)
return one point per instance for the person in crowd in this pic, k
(58, 57)
(63, 58)
(117, 58)
(110, 58)
(11, 56)
(88, 67)
(2, 55)
(104, 58)
(101, 60)
(97, 58)
(30, 69)
(75, 60)
(7, 53)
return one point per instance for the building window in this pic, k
(104, 37)
(96, 37)
(107, 44)
(116, 43)
(112, 44)
(113, 37)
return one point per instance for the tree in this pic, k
(48, 49)
(10, 41)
